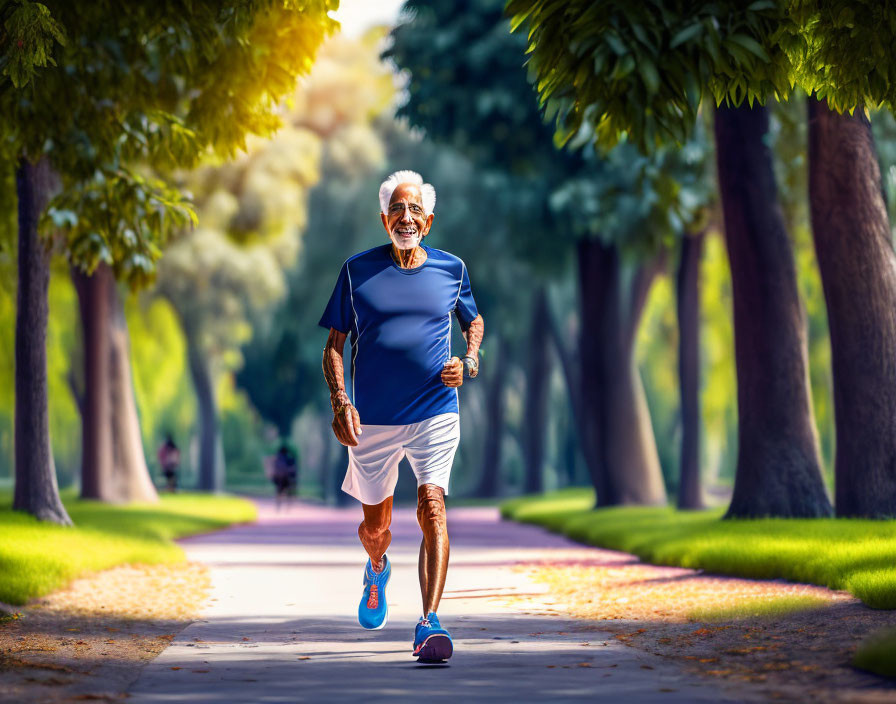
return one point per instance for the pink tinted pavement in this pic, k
(281, 624)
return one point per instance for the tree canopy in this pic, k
(158, 86)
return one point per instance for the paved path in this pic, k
(281, 623)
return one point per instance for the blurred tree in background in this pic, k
(604, 76)
(230, 267)
(154, 86)
(603, 73)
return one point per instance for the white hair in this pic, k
(427, 192)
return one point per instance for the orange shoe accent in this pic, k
(373, 600)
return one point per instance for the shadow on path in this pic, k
(281, 622)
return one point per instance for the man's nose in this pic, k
(406, 215)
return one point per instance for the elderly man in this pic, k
(396, 300)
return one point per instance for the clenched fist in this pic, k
(347, 425)
(453, 372)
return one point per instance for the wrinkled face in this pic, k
(406, 221)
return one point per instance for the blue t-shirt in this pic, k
(400, 326)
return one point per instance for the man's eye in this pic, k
(416, 209)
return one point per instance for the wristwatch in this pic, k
(471, 366)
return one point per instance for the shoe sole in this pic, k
(436, 648)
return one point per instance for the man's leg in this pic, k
(433, 563)
(374, 531)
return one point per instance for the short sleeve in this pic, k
(338, 313)
(465, 308)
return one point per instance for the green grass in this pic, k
(851, 554)
(37, 558)
(878, 653)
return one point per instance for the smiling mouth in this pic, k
(405, 232)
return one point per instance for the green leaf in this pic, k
(687, 34)
(649, 74)
(750, 45)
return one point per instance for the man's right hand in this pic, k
(347, 425)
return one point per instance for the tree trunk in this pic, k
(858, 273)
(627, 470)
(113, 465)
(36, 490)
(489, 481)
(596, 286)
(579, 429)
(537, 387)
(131, 475)
(211, 471)
(690, 494)
(96, 429)
(777, 460)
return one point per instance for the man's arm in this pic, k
(473, 336)
(453, 372)
(346, 421)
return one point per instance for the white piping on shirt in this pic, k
(460, 285)
(357, 327)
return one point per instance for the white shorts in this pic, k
(373, 464)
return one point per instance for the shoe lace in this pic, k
(425, 622)
(374, 599)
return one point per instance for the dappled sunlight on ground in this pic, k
(89, 640)
(639, 591)
(800, 650)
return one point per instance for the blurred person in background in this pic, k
(169, 460)
(284, 472)
(396, 302)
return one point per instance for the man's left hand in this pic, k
(453, 372)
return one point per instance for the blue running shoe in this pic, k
(432, 643)
(372, 611)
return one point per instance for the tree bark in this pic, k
(690, 494)
(580, 429)
(36, 490)
(132, 480)
(96, 429)
(113, 464)
(627, 469)
(777, 462)
(537, 387)
(858, 273)
(211, 471)
(489, 481)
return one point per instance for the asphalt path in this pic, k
(281, 623)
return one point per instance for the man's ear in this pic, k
(428, 224)
(385, 222)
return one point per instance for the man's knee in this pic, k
(431, 505)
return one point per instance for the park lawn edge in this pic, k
(877, 653)
(37, 558)
(854, 555)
